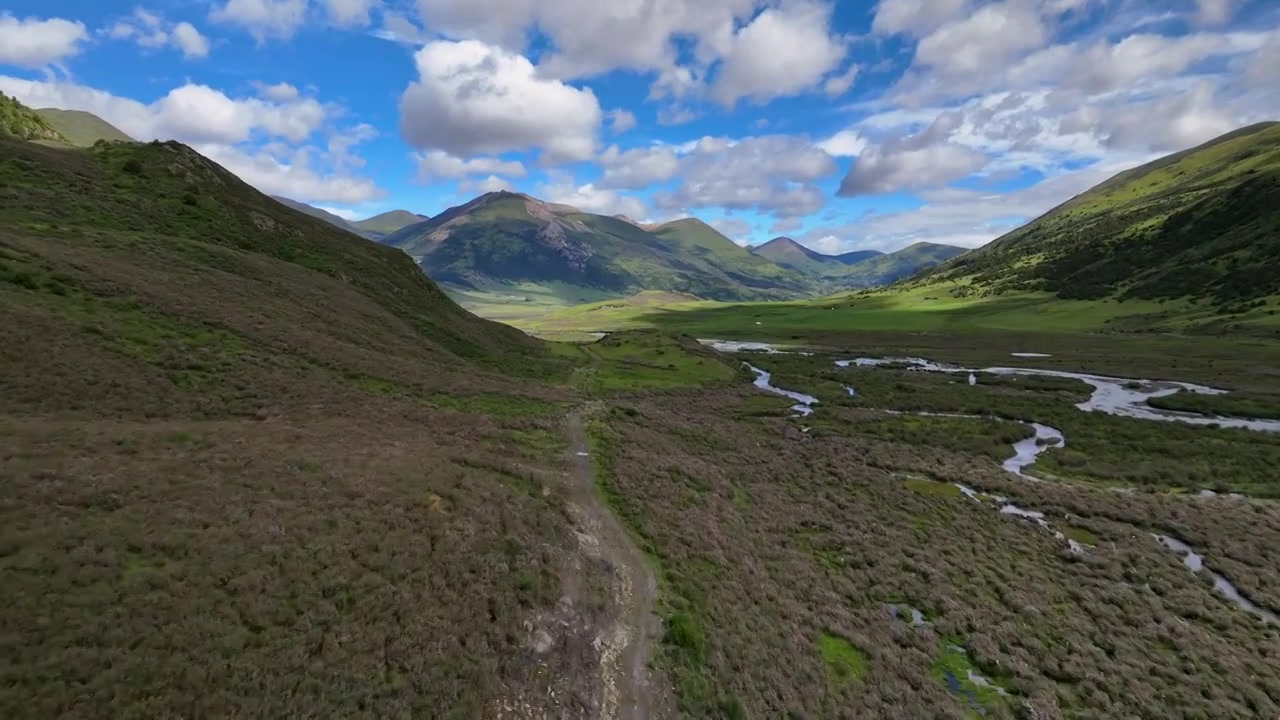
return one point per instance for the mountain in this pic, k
(857, 269)
(319, 214)
(81, 128)
(1201, 223)
(388, 222)
(19, 121)
(883, 269)
(503, 238)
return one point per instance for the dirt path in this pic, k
(624, 647)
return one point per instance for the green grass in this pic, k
(845, 662)
(1236, 404)
(955, 663)
(932, 487)
(651, 360)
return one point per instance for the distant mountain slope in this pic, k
(1201, 223)
(857, 269)
(891, 267)
(19, 121)
(388, 222)
(504, 238)
(81, 128)
(788, 253)
(317, 213)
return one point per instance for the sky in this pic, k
(845, 125)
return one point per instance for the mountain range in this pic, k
(1201, 224)
(860, 268)
(505, 238)
(374, 228)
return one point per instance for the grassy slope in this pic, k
(80, 128)
(253, 461)
(890, 267)
(388, 222)
(19, 121)
(1193, 225)
(494, 242)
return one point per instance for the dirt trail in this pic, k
(624, 647)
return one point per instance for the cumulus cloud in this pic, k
(150, 30)
(472, 98)
(637, 168)
(621, 121)
(590, 198)
(436, 164)
(349, 13)
(846, 143)
(493, 183)
(926, 159)
(31, 42)
(784, 50)
(280, 92)
(770, 173)
(967, 218)
(225, 130)
(262, 18)
(733, 228)
(915, 17)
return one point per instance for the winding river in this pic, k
(1125, 397)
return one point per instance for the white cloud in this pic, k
(262, 18)
(280, 92)
(493, 183)
(846, 143)
(621, 121)
(736, 230)
(350, 13)
(592, 199)
(222, 129)
(926, 159)
(475, 98)
(915, 17)
(31, 42)
(150, 30)
(435, 164)
(637, 168)
(770, 173)
(785, 50)
(1216, 12)
(967, 218)
(786, 225)
(344, 213)
(982, 41)
(837, 85)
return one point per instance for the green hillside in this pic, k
(890, 267)
(1201, 224)
(18, 121)
(388, 222)
(788, 253)
(501, 240)
(81, 128)
(242, 446)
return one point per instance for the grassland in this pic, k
(255, 466)
(782, 542)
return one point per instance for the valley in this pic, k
(256, 460)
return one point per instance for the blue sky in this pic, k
(844, 124)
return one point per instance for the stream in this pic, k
(1125, 397)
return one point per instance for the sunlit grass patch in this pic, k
(845, 662)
